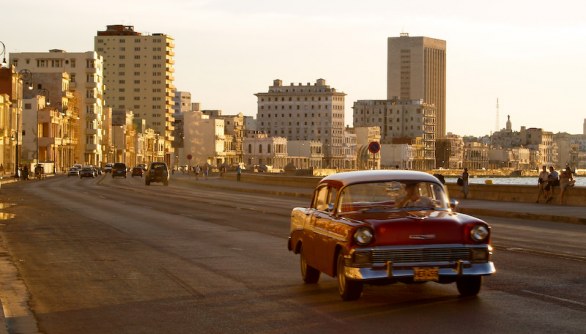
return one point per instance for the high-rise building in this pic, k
(305, 112)
(138, 71)
(86, 82)
(416, 69)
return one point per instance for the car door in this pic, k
(319, 242)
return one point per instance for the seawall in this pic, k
(575, 196)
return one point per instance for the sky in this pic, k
(530, 55)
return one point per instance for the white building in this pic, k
(203, 140)
(261, 150)
(305, 112)
(305, 154)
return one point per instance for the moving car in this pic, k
(87, 171)
(119, 169)
(108, 168)
(73, 171)
(137, 171)
(384, 227)
(157, 172)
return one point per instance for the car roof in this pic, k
(364, 176)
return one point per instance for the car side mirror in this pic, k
(454, 205)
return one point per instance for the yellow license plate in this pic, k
(426, 274)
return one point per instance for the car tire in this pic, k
(166, 183)
(348, 289)
(309, 274)
(469, 286)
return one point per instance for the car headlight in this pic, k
(363, 236)
(479, 233)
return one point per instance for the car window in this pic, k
(324, 198)
(392, 194)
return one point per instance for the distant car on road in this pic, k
(87, 171)
(108, 168)
(137, 171)
(383, 227)
(73, 172)
(157, 172)
(119, 169)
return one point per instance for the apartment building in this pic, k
(416, 69)
(401, 121)
(305, 112)
(85, 91)
(138, 71)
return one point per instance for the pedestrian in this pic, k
(197, 171)
(238, 172)
(25, 172)
(206, 170)
(464, 178)
(552, 182)
(542, 184)
(566, 181)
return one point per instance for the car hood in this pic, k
(418, 227)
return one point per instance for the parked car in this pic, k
(73, 172)
(119, 169)
(108, 168)
(383, 227)
(137, 171)
(157, 172)
(87, 171)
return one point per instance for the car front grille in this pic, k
(414, 255)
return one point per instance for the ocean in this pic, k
(526, 181)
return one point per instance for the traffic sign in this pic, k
(189, 156)
(374, 147)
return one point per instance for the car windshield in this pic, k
(393, 195)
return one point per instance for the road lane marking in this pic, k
(554, 298)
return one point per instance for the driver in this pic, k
(413, 199)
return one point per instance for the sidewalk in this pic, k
(532, 211)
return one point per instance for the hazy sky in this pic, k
(531, 55)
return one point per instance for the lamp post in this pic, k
(44, 92)
(3, 53)
(27, 79)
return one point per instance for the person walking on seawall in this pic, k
(566, 181)
(542, 183)
(238, 172)
(552, 182)
(465, 177)
(197, 171)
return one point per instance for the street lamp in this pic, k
(27, 78)
(44, 92)
(3, 53)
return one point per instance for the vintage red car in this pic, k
(383, 227)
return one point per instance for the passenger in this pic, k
(542, 183)
(566, 181)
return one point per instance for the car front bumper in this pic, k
(399, 263)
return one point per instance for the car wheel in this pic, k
(469, 285)
(349, 289)
(166, 183)
(309, 274)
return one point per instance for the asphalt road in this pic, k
(115, 256)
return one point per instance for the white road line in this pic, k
(555, 298)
